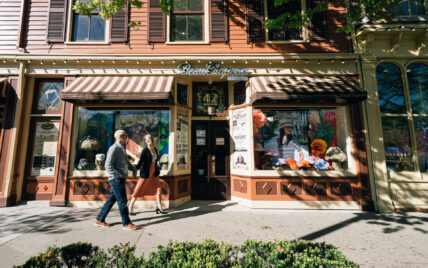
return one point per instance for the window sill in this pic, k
(87, 43)
(302, 173)
(103, 173)
(288, 42)
(188, 43)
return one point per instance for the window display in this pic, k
(96, 128)
(300, 139)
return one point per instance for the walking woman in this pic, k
(149, 182)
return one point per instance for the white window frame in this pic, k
(206, 29)
(69, 29)
(305, 33)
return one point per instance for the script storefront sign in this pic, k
(214, 69)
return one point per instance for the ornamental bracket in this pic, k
(421, 42)
(395, 42)
(365, 43)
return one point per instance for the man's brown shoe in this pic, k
(130, 227)
(101, 224)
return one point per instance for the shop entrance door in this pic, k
(210, 160)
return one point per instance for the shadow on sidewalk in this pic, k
(193, 208)
(392, 222)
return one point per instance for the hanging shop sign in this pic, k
(232, 74)
(240, 138)
(182, 141)
(45, 148)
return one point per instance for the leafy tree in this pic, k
(357, 11)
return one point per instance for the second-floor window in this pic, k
(88, 28)
(187, 20)
(284, 34)
(411, 8)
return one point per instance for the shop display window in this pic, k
(95, 134)
(301, 139)
(402, 113)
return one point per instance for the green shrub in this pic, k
(209, 253)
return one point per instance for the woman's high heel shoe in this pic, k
(158, 211)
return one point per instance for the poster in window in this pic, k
(240, 138)
(182, 141)
(45, 148)
(137, 124)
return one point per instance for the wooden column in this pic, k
(365, 197)
(6, 152)
(60, 195)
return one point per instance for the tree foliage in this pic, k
(357, 11)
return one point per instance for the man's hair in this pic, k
(119, 133)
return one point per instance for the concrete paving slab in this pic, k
(370, 239)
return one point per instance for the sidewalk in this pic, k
(370, 239)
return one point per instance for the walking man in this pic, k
(117, 165)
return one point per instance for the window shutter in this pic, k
(255, 19)
(317, 27)
(119, 27)
(219, 21)
(56, 20)
(156, 22)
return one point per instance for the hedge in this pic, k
(209, 253)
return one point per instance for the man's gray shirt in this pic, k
(117, 163)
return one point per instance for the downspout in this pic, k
(21, 27)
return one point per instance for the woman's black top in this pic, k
(145, 161)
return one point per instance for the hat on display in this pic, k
(286, 123)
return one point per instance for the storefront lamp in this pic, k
(211, 110)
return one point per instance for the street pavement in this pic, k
(370, 239)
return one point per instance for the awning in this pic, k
(344, 88)
(119, 88)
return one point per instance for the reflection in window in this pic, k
(49, 92)
(284, 34)
(187, 20)
(306, 139)
(396, 139)
(417, 75)
(96, 129)
(410, 8)
(421, 131)
(88, 28)
(390, 88)
(239, 92)
(182, 94)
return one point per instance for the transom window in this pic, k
(410, 8)
(187, 20)
(289, 9)
(404, 114)
(88, 28)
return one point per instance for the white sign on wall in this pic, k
(182, 141)
(45, 148)
(240, 138)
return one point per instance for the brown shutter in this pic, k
(119, 26)
(156, 22)
(317, 27)
(56, 20)
(255, 21)
(219, 21)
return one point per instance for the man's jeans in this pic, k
(117, 193)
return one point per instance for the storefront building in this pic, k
(270, 119)
(394, 61)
